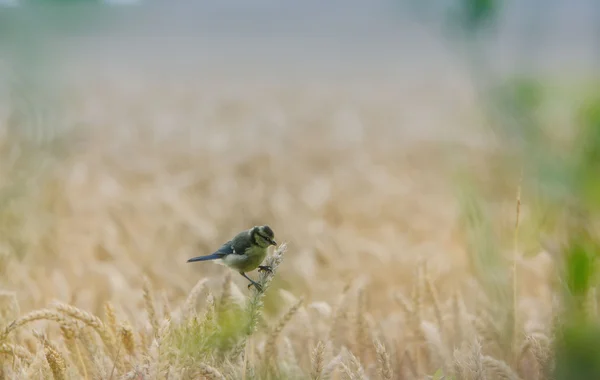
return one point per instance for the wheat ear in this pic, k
(317, 359)
(270, 349)
(210, 373)
(16, 351)
(55, 360)
(91, 321)
(149, 304)
(36, 315)
(383, 362)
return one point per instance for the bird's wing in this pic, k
(226, 249)
(241, 242)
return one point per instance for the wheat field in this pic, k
(360, 180)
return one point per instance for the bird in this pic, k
(244, 252)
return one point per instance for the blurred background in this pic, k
(390, 144)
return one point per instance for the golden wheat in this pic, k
(16, 351)
(55, 360)
(376, 251)
(317, 361)
(210, 373)
(497, 369)
(383, 360)
(270, 345)
(127, 339)
(44, 314)
(192, 298)
(92, 321)
(149, 303)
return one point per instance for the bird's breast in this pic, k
(256, 251)
(250, 260)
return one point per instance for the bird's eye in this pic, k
(267, 239)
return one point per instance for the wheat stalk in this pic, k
(317, 360)
(16, 351)
(111, 318)
(192, 298)
(210, 373)
(226, 300)
(331, 367)
(87, 351)
(149, 303)
(255, 305)
(270, 349)
(383, 361)
(498, 369)
(36, 315)
(361, 328)
(127, 338)
(354, 369)
(157, 356)
(437, 307)
(91, 321)
(55, 360)
(514, 313)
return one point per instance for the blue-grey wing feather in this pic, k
(226, 249)
(241, 242)
(235, 246)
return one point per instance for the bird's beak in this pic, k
(273, 242)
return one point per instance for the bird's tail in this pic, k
(214, 256)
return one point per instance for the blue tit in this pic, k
(245, 252)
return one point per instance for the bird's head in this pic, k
(263, 236)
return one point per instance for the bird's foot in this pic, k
(265, 268)
(256, 285)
